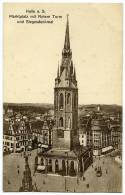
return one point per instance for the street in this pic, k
(110, 181)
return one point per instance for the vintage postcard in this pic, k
(62, 104)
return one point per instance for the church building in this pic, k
(66, 157)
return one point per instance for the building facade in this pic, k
(116, 136)
(83, 137)
(42, 132)
(16, 136)
(99, 136)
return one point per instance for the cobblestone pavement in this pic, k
(109, 182)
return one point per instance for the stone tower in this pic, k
(65, 133)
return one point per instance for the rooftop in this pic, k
(70, 154)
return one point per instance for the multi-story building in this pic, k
(83, 137)
(16, 136)
(83, 124)
(41, 131)
(99, 136)
(116, 135)
(36, 127)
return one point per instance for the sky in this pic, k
(32, 52)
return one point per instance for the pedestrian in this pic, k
(8, 182)
(106, 171)
(18, 171)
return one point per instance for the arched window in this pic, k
(68, 98)
(63, 167)
(50, 165)
(56, 166)
(72, 170)
(42, 161)
(72, 165)
(56, 101)
(75, 100)
(61, 122)
(61, 101)
(69, 123)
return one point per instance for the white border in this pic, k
(1, 78)
(123, 138)
(1, 97)
(63, 1)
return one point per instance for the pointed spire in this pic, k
(74, 75)
(67, 52)
(27, 179)
(67, 39)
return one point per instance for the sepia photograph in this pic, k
(62, 97)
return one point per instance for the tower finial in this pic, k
(67, 39)
(67, 17)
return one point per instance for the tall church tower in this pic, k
(65, 133)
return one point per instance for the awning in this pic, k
(44, 146)
(18, 149)
(107, 149)
(41, 168)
